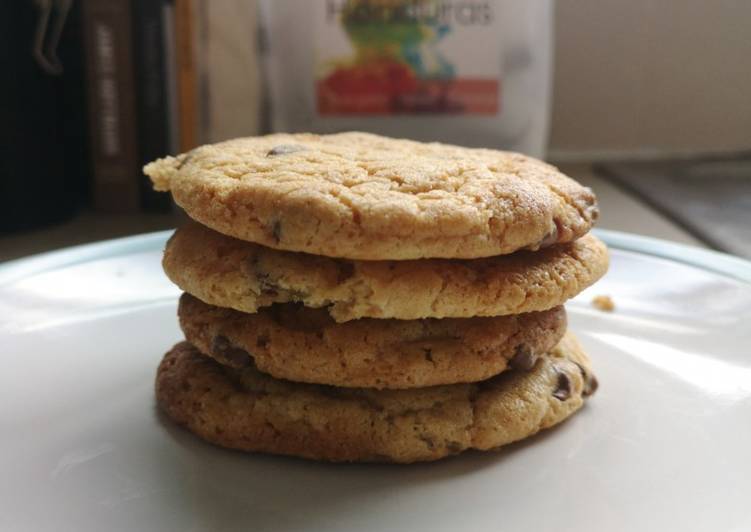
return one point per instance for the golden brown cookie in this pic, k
(289, 341)
(227, 272)
(367, 197)
(248, 410)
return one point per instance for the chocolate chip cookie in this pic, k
(367, 197)
(228, 272)
(301, 344)
(251, 411)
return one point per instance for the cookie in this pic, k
(289, 341)
(228, 272)
(248, 410)
(367, 197)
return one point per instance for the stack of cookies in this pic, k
(352, 297)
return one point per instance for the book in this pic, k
(43, 168)
(201, 36)
(111, 105)
(186, 74)
(170, 81)
(151, 95)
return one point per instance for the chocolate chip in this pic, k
(223, 350)
(593, 212)
(237, 357)
(563, 387)
(345, 270)
(185, 159)
(220, 343)
(284, 149)
(524, 359)
(428, 354)
(454, 446)
(590, 381)
(427, 440)
(276, 231)
(262, 341)
(267, 287)
(590, 385)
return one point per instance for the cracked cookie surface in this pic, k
(301, 344)
(248, 410)
(368, 197)
(228, 272)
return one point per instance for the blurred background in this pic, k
(647, 102)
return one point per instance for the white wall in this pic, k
(651, 76)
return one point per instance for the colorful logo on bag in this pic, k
(406, 57)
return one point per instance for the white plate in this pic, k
(665, 444)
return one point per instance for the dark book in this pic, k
(170, 85)
(108, 43)
(152, 98)
(186, 74)
(42, 157)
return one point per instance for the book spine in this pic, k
(170, 82)
(201, 54)
(186, 74)
(107, 28)
(153, 113)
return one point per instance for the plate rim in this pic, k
(714, 261)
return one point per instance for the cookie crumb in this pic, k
(603, 303)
